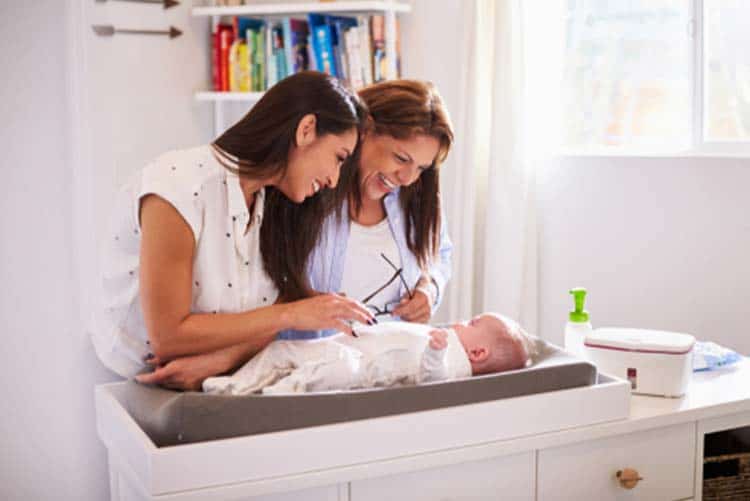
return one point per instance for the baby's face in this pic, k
(482, 329)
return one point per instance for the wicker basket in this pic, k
(727, 477)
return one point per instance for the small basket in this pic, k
(727, 477)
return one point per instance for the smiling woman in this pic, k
(185, 286)
(388, 209)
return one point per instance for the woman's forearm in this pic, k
(240, 333)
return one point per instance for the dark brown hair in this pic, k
(261, 142)
(403, 109)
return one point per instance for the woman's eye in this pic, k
(341, 159)
(401, 159)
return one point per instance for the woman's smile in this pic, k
(388, 185)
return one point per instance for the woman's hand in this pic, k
(419, 307)
(186, 373)
(327, 311)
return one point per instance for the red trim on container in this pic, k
(640, 351)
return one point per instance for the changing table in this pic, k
(564, 444)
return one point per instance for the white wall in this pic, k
(660, 243)
(433, 38)
(48, 446)
(80, 113)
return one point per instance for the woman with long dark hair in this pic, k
(201, 269)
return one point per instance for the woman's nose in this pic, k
(333, 179)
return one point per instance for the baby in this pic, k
(383, 355)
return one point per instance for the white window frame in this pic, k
(699, 146)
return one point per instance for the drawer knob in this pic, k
(628, 478)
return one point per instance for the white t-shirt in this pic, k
(228, 273)
(365, 270)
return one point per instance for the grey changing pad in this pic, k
(172, 418)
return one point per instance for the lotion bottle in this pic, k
(578, 326)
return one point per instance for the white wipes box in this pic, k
(655, 362)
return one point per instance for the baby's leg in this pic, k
(340, 372)
(271, 364)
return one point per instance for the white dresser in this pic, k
(660, 442)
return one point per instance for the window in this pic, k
(662, 76)
(726, 70)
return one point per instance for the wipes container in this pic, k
(655, 362)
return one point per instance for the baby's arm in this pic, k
(271, 364)
(433, 366)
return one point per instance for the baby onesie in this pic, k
(384, 355)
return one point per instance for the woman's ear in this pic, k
(369, 127)
(305, 134)
(478, 354)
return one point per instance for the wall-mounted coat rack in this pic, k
(107, 30)
(166, 3)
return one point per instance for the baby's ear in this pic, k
(478, 354)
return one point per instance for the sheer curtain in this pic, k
(508, 125)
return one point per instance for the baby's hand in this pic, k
(438, 339)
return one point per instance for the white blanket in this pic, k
(387, 354)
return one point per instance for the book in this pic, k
(379, 63)
(239, 66)
(250, 30)
(312, 64)
(299, 33)
(257, 53)
(271, 70)
(353, 52)
(339, 26)
(226, 38)
(321, 42)
(215, 57)
(279, 55)
(365, 46)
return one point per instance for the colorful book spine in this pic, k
(311, 61)
(299, 32)
(379, 62)
(340, 25)
(286, 32)
(271, 70)
(278, 53)
(226, 37)
(260, 59)
(321, 41)
(215, 58)
(351, 42)
(365, 46)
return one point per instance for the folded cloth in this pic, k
(708, 356)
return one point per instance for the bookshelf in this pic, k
(388, 8)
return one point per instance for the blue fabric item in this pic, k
(708, 356)
(326, 263)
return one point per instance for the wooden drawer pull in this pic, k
(628, 478)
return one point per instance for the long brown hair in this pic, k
(403, 109)
(261, 142)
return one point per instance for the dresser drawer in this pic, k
(663, 457)
(509, 478)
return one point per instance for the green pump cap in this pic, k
(579, 315)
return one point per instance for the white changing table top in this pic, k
(710, 394)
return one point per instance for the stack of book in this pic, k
(252, 54)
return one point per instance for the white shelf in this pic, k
(228, 96)
(259, 9)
